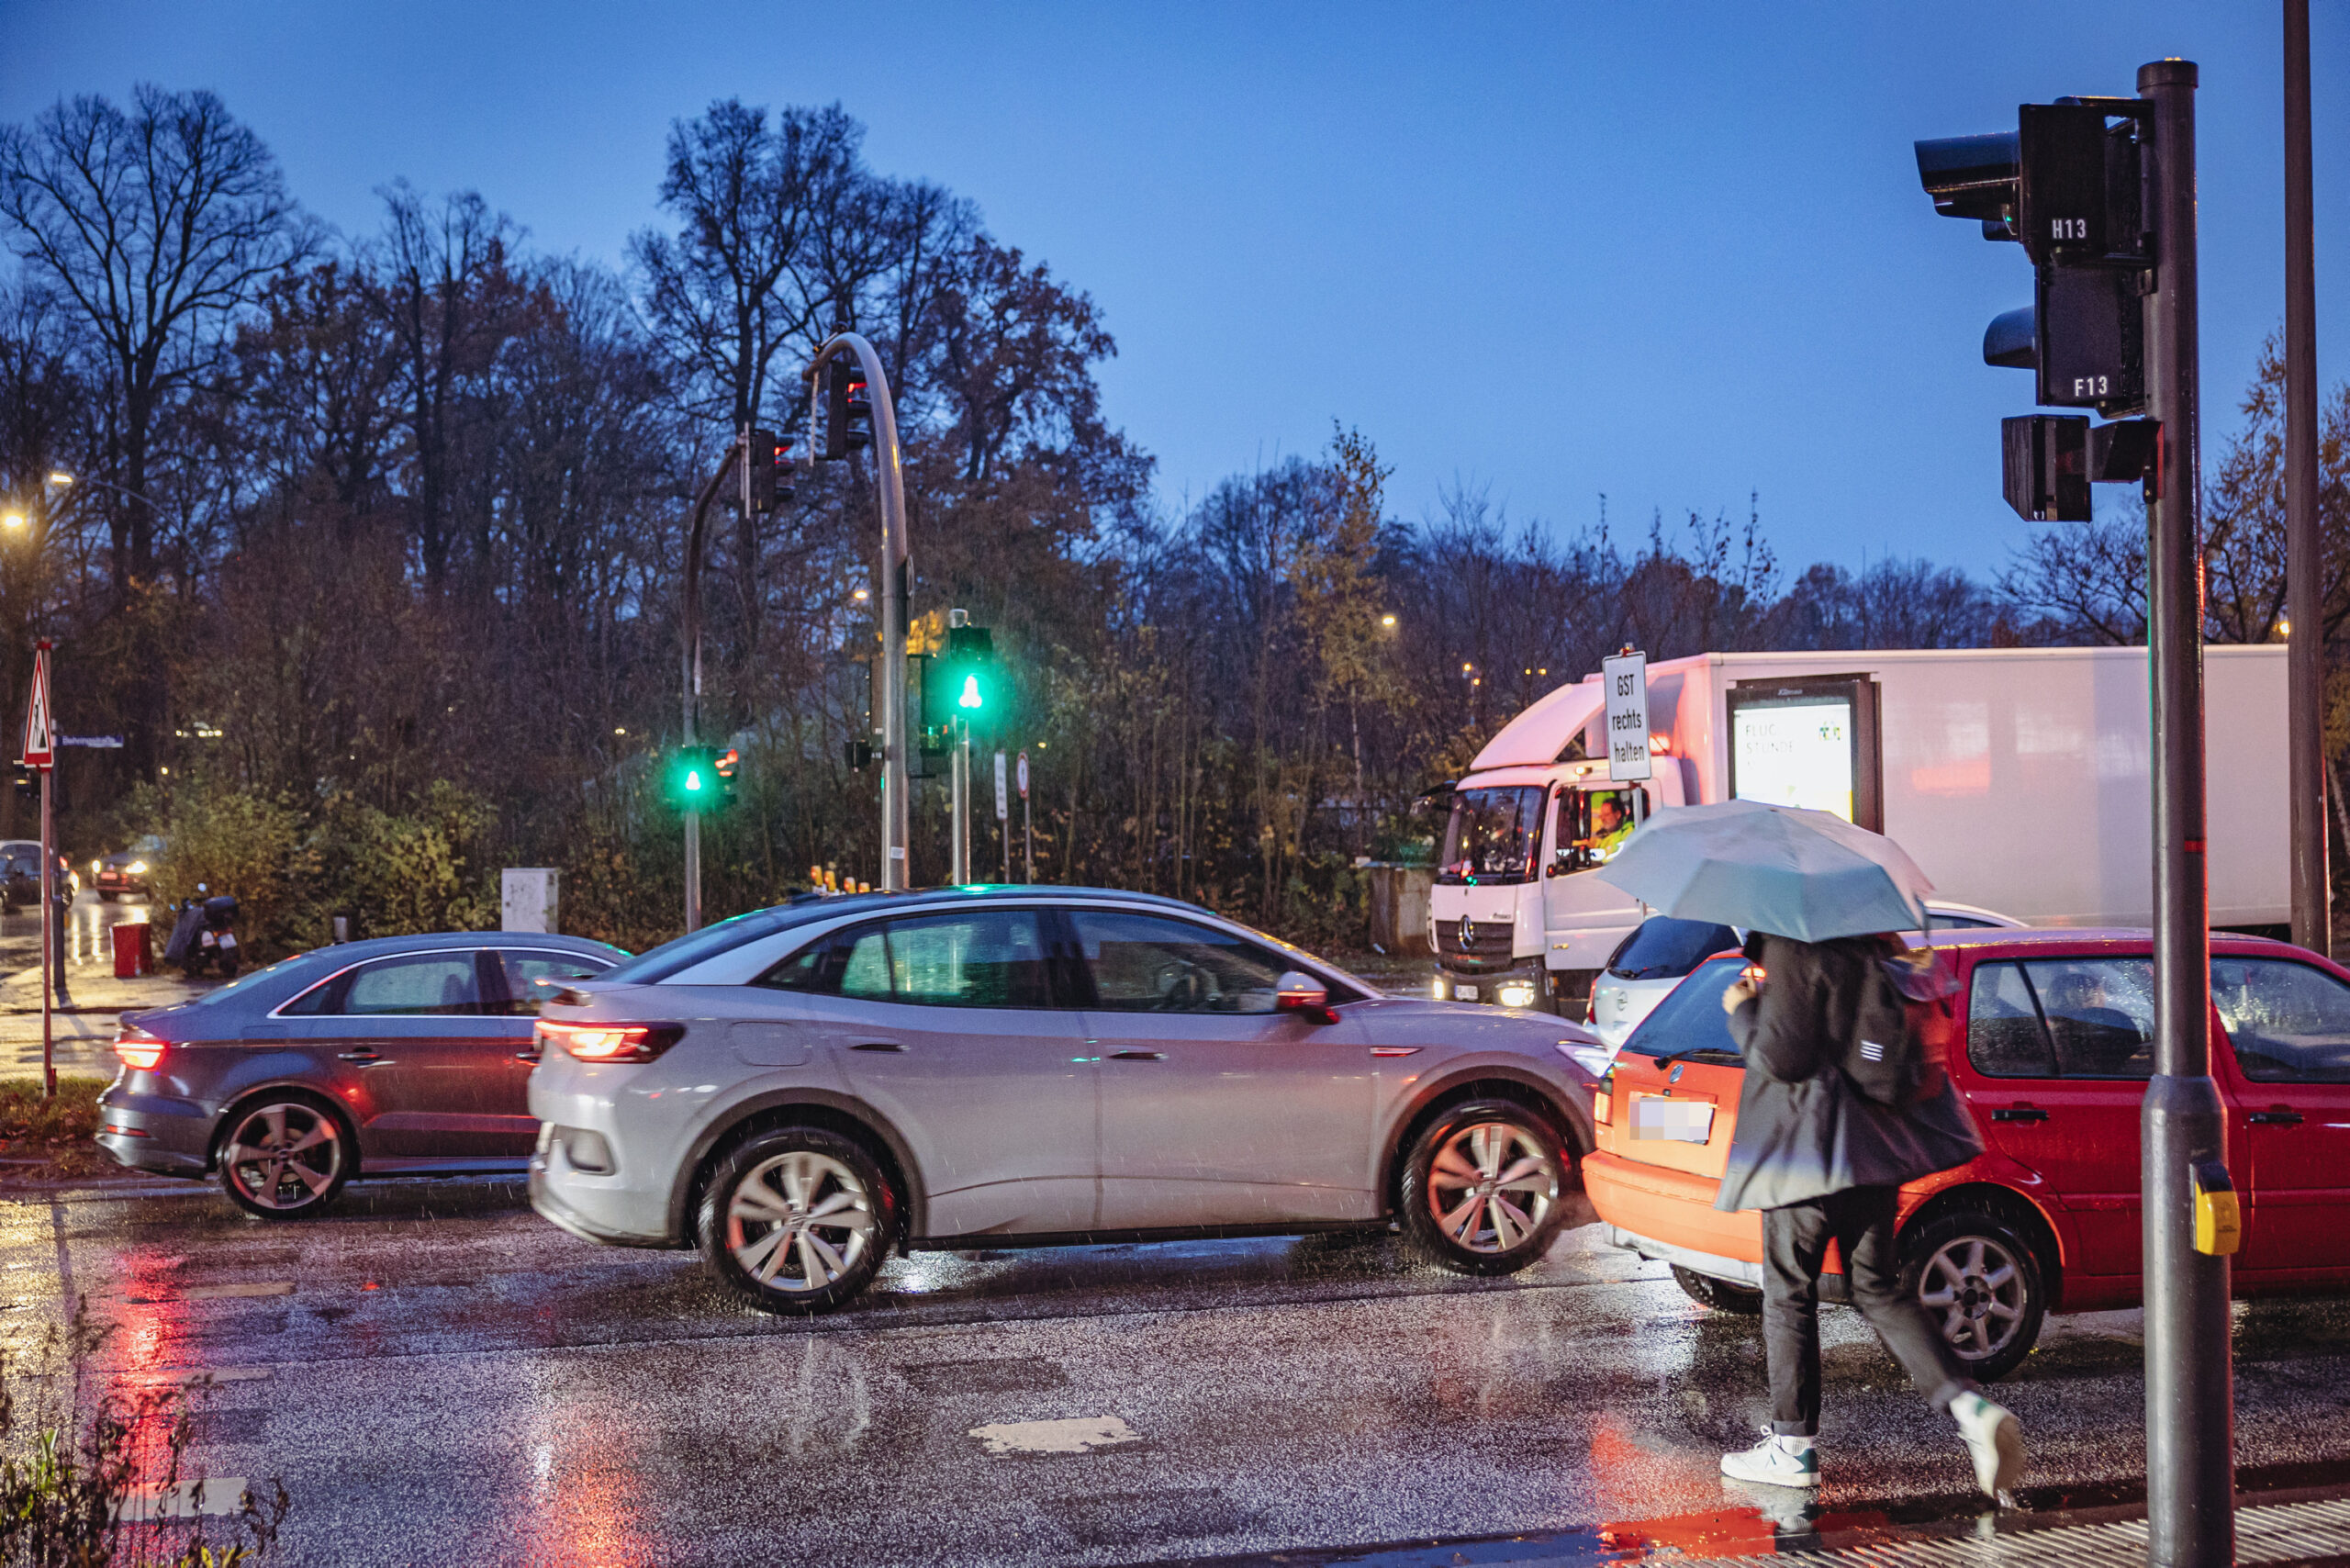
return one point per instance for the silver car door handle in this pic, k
(364, 1058)
(877, 1046)
(1137, 1055)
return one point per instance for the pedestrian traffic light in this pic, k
(848, 409)
(2066, 185)
(768, 460)
(970, 671)
(693, 783)
(725, 765)
(2046, 467)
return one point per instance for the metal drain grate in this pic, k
(2283, 1532)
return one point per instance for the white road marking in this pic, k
(216, 1293)
(1075, 1434)
(184, 1500)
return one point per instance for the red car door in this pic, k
(2062, 1048)
(2289, 1024)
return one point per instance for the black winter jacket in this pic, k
(1802, 1131)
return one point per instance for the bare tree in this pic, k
(444, 284)
(160, 225)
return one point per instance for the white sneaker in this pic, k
(1994, 1440)
(1775, 1461)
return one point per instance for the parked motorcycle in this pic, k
(205, 935)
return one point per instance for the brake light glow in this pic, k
(609, 1042)
(138, 1049)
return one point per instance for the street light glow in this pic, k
(13, 520)
(59, 478)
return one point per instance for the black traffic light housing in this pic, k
(2067, 183)
(848, 409)
(767, 462)
(2046, 467)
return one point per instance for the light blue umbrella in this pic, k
(1809, 875)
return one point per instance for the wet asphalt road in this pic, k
(438, 1376)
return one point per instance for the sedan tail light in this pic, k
(610, 1042)
(138, 1049)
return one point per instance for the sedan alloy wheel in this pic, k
(283, 1159)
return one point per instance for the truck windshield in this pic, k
(1492, 834)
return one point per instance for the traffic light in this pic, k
(2065, 183)
(848, 409)
(693, 782)
(725, 765)
(969, 689)
(768, 462)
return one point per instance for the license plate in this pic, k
(1675, 1121)
(1464, 993)
(228, 941)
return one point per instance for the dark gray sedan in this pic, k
(404, 1055)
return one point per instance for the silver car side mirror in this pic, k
(1302, 994)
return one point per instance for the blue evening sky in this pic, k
(1670, 252)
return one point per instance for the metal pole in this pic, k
(47, 931)
(693, 664)
(897, 798)
(1028, 843)
(1002, 815)
(2305, 658)
(2190, 1394)
(958, 869)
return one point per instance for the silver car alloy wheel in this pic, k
(800, 1221)
(284, 1155)
(1491, 1186)
(1974, 1288)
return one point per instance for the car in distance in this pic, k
(2052, 1050)
(401, 1055)
(1650, 962)
(801, 1091)
(125, 873)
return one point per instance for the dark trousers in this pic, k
(1795, 1243)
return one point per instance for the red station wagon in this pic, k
(2054, 1047)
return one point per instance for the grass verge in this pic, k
(48, 1140)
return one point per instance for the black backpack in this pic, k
(1901, 1030)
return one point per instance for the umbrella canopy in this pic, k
(1803, 874)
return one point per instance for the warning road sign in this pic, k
(40, 731)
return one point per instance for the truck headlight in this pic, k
(1438, 989)
(1516, 993)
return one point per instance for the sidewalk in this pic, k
(2301, 1527)
(83, 1034)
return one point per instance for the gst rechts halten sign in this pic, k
(1627, 679)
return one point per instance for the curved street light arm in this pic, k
(897, 804)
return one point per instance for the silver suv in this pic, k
(802, 1090)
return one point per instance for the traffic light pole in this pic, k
(692, 671)
(897, 801)
(2190, 1386)
(960, 807)
(2305, 655)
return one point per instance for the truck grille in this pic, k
(1488, 949)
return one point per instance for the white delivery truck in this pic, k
(2015, 778)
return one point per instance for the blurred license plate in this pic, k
(1464, 993)
(1676, 1121)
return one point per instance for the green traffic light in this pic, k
(693, 780)
(970, 697)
